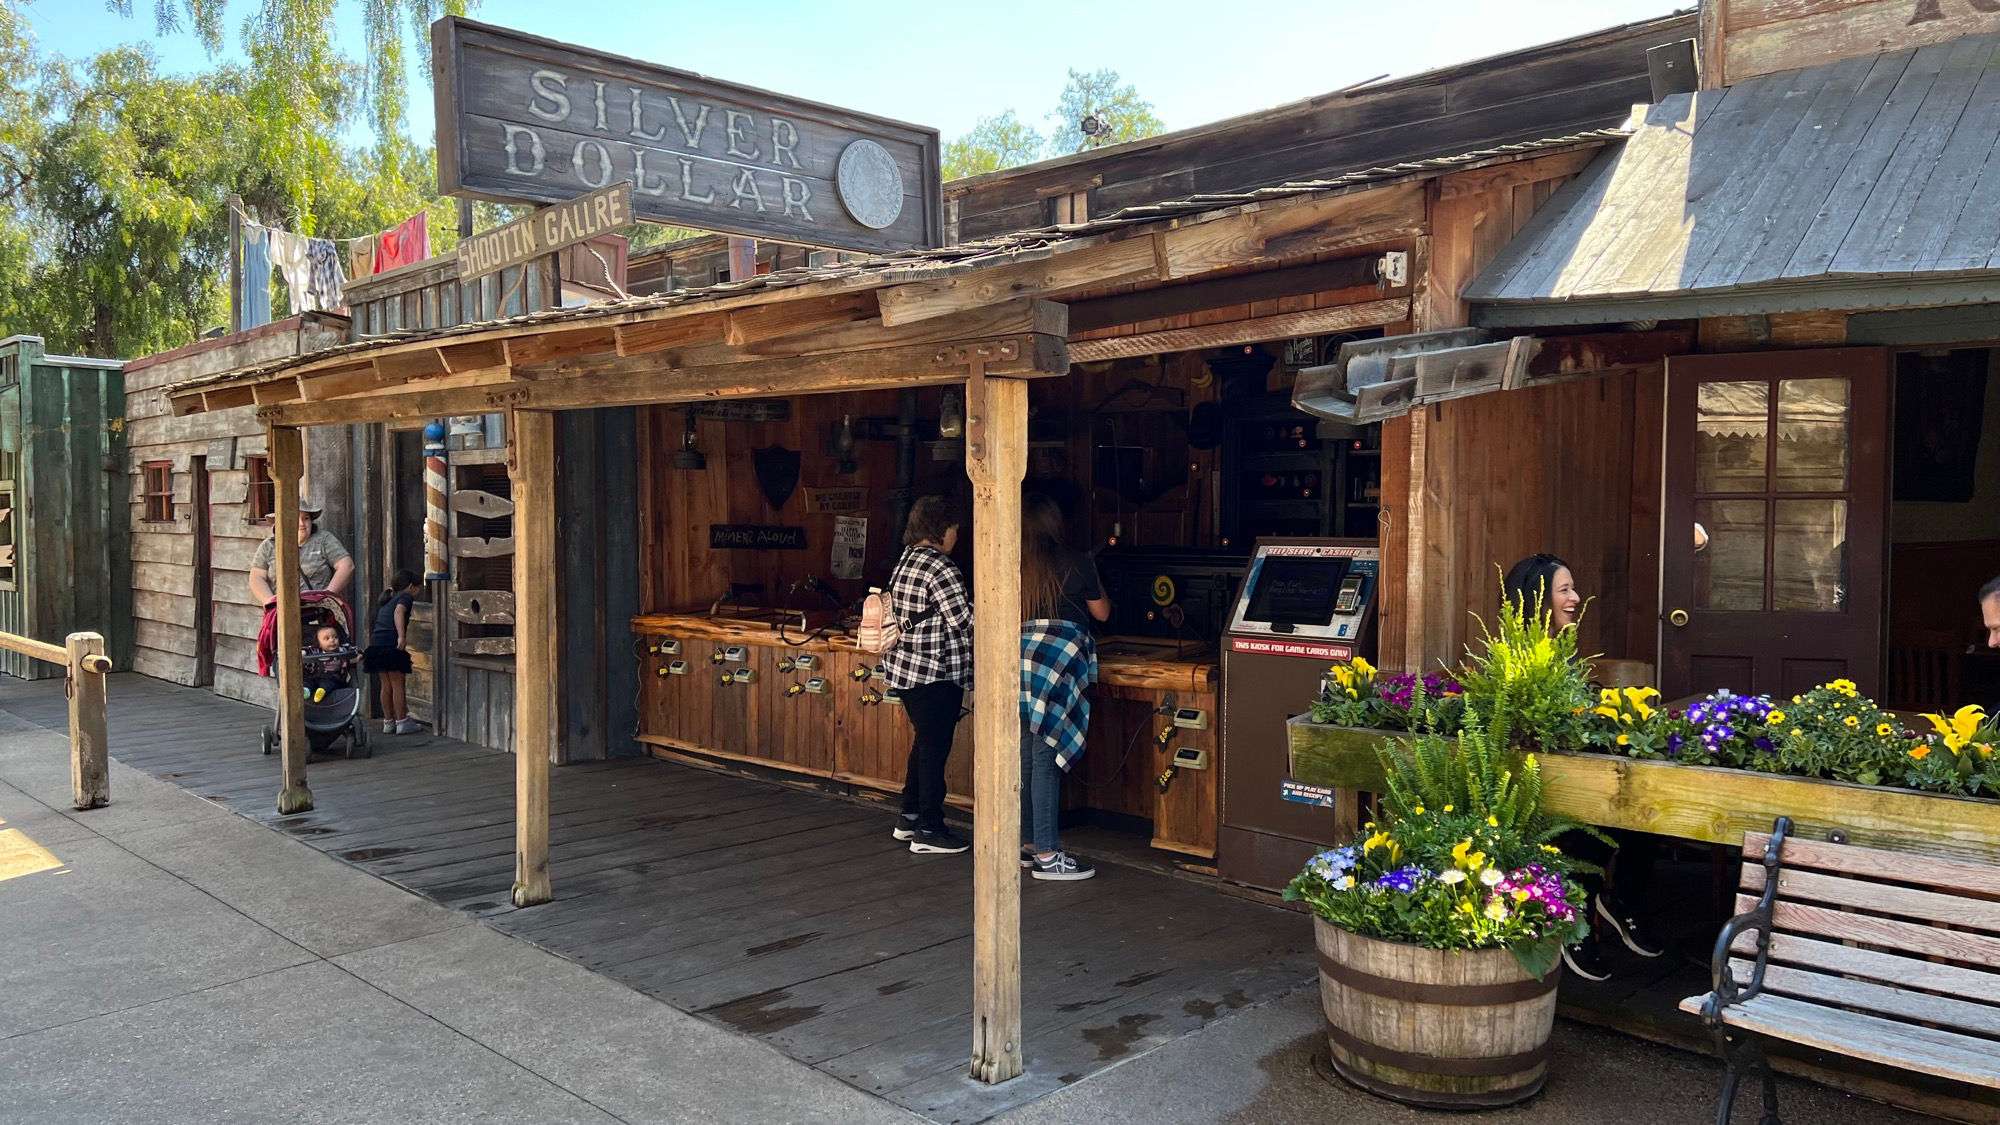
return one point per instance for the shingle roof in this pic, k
(930, 265)
(1883, 167)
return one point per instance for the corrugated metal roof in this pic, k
(949, 261)
(1871, 168)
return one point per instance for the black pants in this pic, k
(1628, 868)
(933, 711)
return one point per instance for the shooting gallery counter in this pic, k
(812, 704)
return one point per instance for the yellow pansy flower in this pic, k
(1375, 841)
(1641, 700)
(1465, 857)
(1608, 697)
(1493, 822)
(1624, 739)
(1362, 666)
(1420, 810)
(1447, 808)
(1958, 730)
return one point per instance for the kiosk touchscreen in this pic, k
(1304, 604)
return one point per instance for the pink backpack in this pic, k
(880, 628)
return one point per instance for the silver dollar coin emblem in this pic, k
(871, 186)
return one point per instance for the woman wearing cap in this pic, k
(324, 563)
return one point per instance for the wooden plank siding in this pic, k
(1757, 37)
(162, 576)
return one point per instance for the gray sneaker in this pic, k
(409, 726)
(1062, 867)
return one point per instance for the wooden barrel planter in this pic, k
(1445, 1029)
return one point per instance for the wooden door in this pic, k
(1781, 459)
(204, 572)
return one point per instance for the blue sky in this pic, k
(945, 65)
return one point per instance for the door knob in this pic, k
(1678, 618)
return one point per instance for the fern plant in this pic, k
(1531, 669)
(1465, 854)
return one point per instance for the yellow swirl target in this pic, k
(1163, 590)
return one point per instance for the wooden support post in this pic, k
(996, 460)
(285, 446)
(89, 747)
(531, 464)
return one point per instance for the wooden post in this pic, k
(235, 264)
(89, 746)
(531, 464)
(996, 458)
(285, 446)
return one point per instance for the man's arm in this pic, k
(343, 575)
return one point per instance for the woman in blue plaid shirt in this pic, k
(930, 667)
(1060, 595)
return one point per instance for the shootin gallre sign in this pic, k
(523, 119)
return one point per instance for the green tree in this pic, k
(1002, 140)
(1119, 111)
(296, 69)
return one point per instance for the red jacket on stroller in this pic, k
(315, 607)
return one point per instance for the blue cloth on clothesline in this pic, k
(256, 295)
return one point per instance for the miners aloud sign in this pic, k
(546, 231)
(522, 119)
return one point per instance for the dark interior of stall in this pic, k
(1944, 527)
(1167, 469)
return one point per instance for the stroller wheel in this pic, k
(357, 738)
(270, 741)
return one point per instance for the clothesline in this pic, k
(250, 221)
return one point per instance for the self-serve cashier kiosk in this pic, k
(1304, 604)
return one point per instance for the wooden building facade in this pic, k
(64, 562)
(199, 499)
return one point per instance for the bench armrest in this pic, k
(1723, 990)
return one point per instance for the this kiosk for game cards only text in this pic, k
(1304, 604)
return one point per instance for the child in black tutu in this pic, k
(387, 657)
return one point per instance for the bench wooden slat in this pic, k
(1826, 988)
(1959, 876)
(1881, 898)
(1904, 937)
(1943, 1054)
(1913, 972)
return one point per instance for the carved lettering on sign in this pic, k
(523, 119)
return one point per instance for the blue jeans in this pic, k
(1041, 793)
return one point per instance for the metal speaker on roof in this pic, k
(1093, 125)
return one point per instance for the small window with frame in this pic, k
(159, 491)
(260, 496)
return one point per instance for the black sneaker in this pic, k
(906, 827)
(1062, 866)
(1027, 857)
(940, 842)
(1584, 960)
(1627, 926)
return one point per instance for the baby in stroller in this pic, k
(328, 663)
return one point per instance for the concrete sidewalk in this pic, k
(165, 960)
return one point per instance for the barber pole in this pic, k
(434, 487)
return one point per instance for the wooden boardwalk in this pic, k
(785, 914)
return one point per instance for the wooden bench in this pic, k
(1869, 954)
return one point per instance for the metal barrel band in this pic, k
(1456, 995)
(1493, 1066)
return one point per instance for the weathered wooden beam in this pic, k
(473, 355)
(1598, 351)
(788, 318)
(639, 380)
(532, 468)
(483, 607)
(334, 382)
(1025, 314)
(637, 339)
(547, 345)
(1242, 289)
(1273, 231)
(475, 548)
(222, 398)
(412, 363)
(479, 502)
(1341, 318)
(484, 646)
(996, 461)
(277, 390)
(285, 447)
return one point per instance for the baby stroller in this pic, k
(338, 714)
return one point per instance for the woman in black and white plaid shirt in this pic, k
(930, 667)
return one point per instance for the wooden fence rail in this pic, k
(89, 747)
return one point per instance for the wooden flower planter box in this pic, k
(1703, 803)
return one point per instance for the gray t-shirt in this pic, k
(316, 558)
